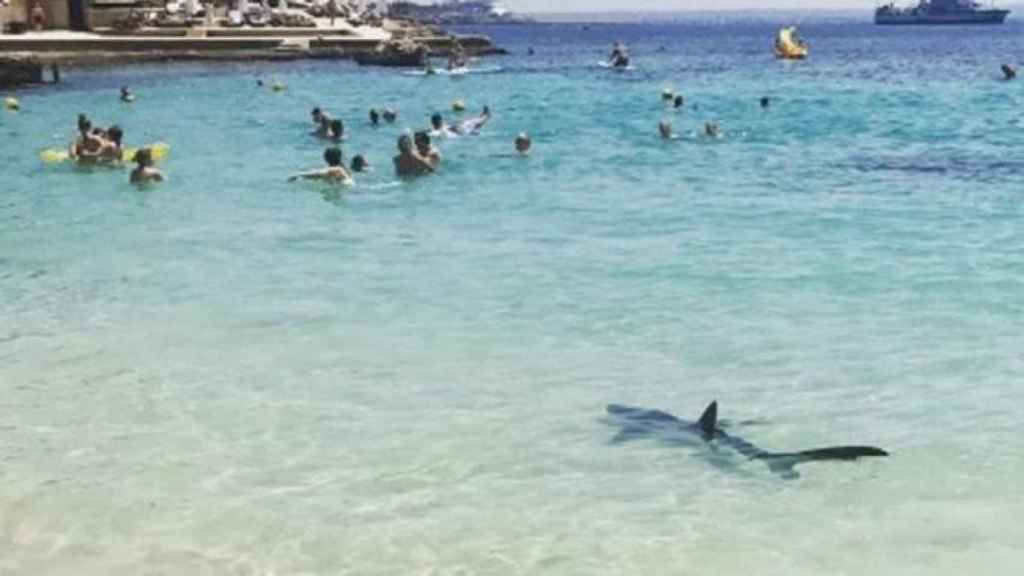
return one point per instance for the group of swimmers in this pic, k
(96, 146)
(417, 155)
(711, 127)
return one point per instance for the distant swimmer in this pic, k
(1009, 72)
(126, 95)
(523, 143)
(427, 150)
(278, 86)
(389, 115)
(87, 147)
(409, 162)
(112, 152)
(473, 125)
(678, 101)
(619, 58)
(335, 172)
(530, 51)
(438, 127)
(665, 129)
(711, 130)
(359, 163)
(458, 106)
(318, 116)
(323, 128)
(144, 173)
(765, 102)
(667, 95)
(336, 130)
(374, 117)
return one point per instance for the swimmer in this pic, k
(438, 127)
(765, 102)
(278, 86)
(318, 115)
(409, 162)
(337, 130)
(359, 163)
(523, 144)
(389, 115)
(144, 173)
(458, 106)
(678, 101)
(665, 129)
(711, 130)
(126, 95)
(112, 151)
(530, 51)
(473, 125)
(374, 117)
(87, 147)
(323, 129)
(667, 95)
(426, 150)
(335, 172)
(1009, 72)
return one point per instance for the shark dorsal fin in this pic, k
(709, 419)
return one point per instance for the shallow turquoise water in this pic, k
(234, 374)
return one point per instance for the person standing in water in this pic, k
(523, 144)
(126, 96)
(335, 172)
(144, 173)
(426, 150)
(408, 162)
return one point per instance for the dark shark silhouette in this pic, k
(642, 423)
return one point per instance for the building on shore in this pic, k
(454, 12)
(48, 14)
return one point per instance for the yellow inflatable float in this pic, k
(789, 46)
(160, 151)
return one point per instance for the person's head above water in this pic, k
(374, 116)
(405, 143)
(765, 102)
(359, 163)
(523, 143)
(667, 94)
(144, 157)
(711, 129)
(678, 101)
(422, 141)
(337, 128)
(665, 129)
(317, 114)
(83, 123)
(437, 121)
(389, 115)
(1009, 72)
(114, 133)
(332, 156)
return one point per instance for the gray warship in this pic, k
(940, 12)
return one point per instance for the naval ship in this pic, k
(940, 12)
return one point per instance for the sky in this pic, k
(685, 5)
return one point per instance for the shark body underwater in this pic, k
(636, 423)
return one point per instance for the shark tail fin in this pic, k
(783, 464)
(709, 419)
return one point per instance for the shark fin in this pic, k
(709, 419)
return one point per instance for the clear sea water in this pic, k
(231, 374)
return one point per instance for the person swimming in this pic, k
(389, 115)
(712, 130)
(765, 102)
(619, 58)
(111, 152)
(473, 125)
(426, 150)
(318, 116)
(126, 95)
(408, 162)
(665, 129)
(88, 145)
(374, 117)
(359, 163)
(438, 127)
(335, 172)
(667, 94)
(678, 101)
(336, 131)
(144, 173)
(1009, 72)
(523, 143)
